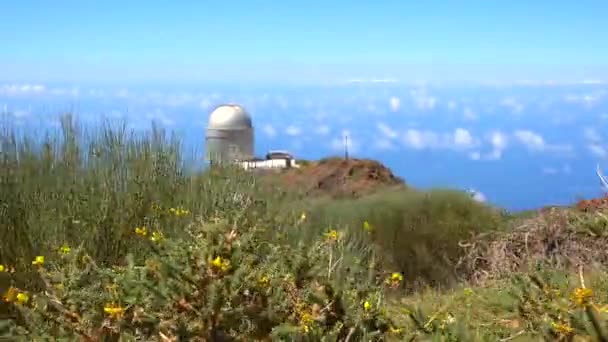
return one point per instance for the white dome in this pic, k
(229, 116)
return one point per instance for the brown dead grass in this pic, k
(563, 238)
(339, 178)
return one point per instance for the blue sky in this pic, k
(312, 41)
(509, 99)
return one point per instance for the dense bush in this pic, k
(417, 232)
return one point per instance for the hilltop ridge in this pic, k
(339, 177)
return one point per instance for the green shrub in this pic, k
(417, 233)
(217, 283)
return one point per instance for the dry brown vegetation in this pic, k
(339, 178)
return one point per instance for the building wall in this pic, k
(229, 145)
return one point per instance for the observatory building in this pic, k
(229, 135)
(230, 139)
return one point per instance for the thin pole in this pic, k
(346, 146)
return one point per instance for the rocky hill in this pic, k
(338, 178)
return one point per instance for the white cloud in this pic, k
(293, 130)
(592, 135)
(587, 100)
(535, 142)
(512, 103)
(205, 104)
(598, 150)
(463, 138)
(531, 140)
(322, 130)
(422, 100)
(549, 170)
(269, 130)
(384, 144)
(452, 105)
(498, 141)
(22, 89)
(419, 140)
(122, 93)
(459, 139)
(395, 103)
(373, 80)
(475, 155)
(478, 196)
(386, 131)
(468, 114)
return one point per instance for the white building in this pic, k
(229, 135)
(230, 139)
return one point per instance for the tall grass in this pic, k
(93, 188)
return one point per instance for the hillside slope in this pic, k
(338, 178)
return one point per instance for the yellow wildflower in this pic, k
(303, 217)
(2, 268)
(306, 318)
(562, 328)
(367, 227)
(179, 211)
(113, 310)
(332, 235)
(264, 281)
(22, 298)
(10, 295)
(367, 306)
(394, 279)
(65, 249)
(143, 231)
(394, 330)
(582, 296)
(468, 291)
(39, 261)
(221, 264)
(156, 236)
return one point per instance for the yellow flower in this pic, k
(306, 318)
(264, 281)
(394, 330)
(582, 296)
(2, 268)
(65, 249)
(179, 211)
(367, 306)
(303, 217)
(332, 235)
(113, 310)
(221, 264)
(367, 227)
(156, 236)
(143, 231)
(39, 261)
(394, 279)
(562, 328)
(468, 291)
(22, 298)
(10, 295)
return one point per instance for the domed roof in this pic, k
(229, 116)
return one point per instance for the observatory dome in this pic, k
(229, 135)
(229, 117)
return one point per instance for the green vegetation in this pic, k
(113, 236)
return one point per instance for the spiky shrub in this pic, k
(557, 308)
(220, 282)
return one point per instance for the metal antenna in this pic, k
(346, 146)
